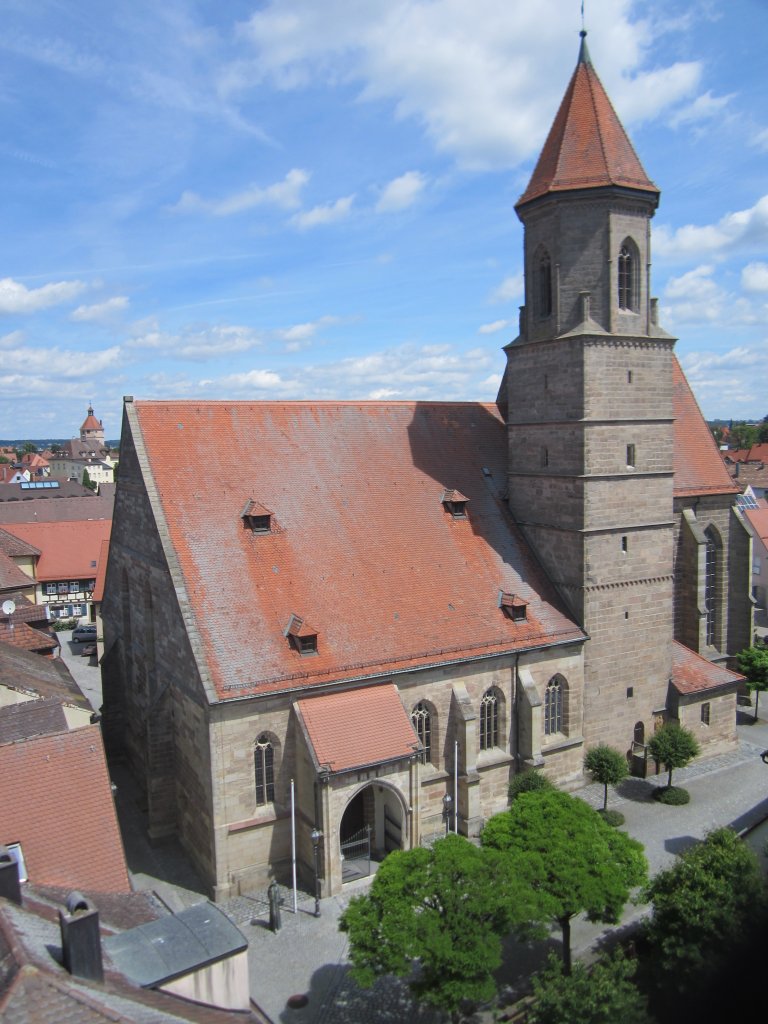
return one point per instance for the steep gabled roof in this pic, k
(587, 146)
(366, 552)
(698, 466)
(67, 550)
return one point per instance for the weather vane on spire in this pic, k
(582, 17)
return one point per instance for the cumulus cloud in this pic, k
(100, 310)
(55, 363)
(512, 287)
(401, 192)
(299, 335)
(693, 297)
(493, 328)
(735, 232)
(330, 213)
(704, 108)
(17, 298)
(285, 194)
(754, 277)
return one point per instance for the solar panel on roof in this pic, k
(746, 501)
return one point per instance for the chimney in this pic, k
(80, 938)
(10, 887)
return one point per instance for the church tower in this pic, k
(589, 409)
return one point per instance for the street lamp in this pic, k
(317, 835)
(447, 801)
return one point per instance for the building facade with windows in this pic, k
(380, 612)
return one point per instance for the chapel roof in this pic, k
(698, 466)
(365, 550)
(694, 674)
(587, 146)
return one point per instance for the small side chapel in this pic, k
(378, 612)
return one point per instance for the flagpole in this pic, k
(293, 847)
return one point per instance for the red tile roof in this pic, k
(11, 576)
(68, 550)
(693, 674)
(757, 453)
(698, 467)
(758, 519)
(355, 728)
(56, 801)
(366, 552)
(587, 146)
(101, 571)
(29, 639)
(16, 547)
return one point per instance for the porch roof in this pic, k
(693, 674)
(356, 728)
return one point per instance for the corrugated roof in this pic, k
(57, 802)
(354, 728)
(587, 146)
(366, 552)
(698, 466)
(693, 674)
(68, 550)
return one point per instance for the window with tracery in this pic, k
(422, 725)
(553, 706)
(264, 767)
(489, 720)
(710, 587)
(628, 279)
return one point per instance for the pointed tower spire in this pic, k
(587, 146)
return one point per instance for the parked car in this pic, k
(82, 634)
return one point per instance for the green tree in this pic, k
(673, 746)
(743, 435)
(753, 663)
(702, 905)
(87, 482)
(603, 994)
(565, 853)
(28, 447)
(606, 765)
(528, 782)
(446, 907)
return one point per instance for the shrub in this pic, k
(60, 625)
(611, 817)
(528, 782)
(674, 795)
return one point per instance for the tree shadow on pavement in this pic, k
(639, 790)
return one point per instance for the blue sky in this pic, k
(315, 198)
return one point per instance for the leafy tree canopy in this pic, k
(528, 782)
(570, 858)
(673, 746)
(446, 907)
(753, 663)
(606, 765)
(702, 904)
(603, 995)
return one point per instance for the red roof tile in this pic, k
(698, 467)
(587, 146)
(101, 571)
(56, 801)
(693, 674)
(366, 552)
(355, 728)
(69, 550)
(757, 453)
(758, 519)
(29, 639)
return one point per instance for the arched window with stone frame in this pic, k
(264, 769)
(555, 705)
(542, 277)
(712, 557)
(491, 712)
(424, 721)
(629, 277)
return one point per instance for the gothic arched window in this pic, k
(264, 768)
(489, 720)
(710, 585)
(629, 276)
(543, 278)
(421, 718)
(553, 706)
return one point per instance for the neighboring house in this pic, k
(38, 466)
(67, 563)
(757, 520)
(757, 453)
(89, 452)
(26, 678)
(753, 475)
(54, 501)
(386, 610)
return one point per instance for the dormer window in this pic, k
(514, 607)
(301, 636)
(256, 517)
(455, 503)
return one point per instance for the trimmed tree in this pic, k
(673, 746)
(602, 994)
(753, 663)
(447, 908)
(703, 906)
(530, 781)
(606, 765)
(569, 857)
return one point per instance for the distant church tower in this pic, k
(92, 429)
(589, 397)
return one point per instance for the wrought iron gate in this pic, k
(356, 855)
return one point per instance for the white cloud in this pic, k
(401, 192)
(199, 344)
(693, 297)
(740, 231)
(511, 288)
(285, 194)
(101, 310)
(330, 213)
(299, 335)
(754, 277)
(54, 364)
(493, 328)
(17, 298)
(704, 108)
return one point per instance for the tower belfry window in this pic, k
(628, 280)
(543, 277)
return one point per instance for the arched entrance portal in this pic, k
(373, 824)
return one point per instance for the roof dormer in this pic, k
(514, 607)
(455, 503)
(301, 636)
(257, 518)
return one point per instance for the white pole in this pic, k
(293, 847)
(456, 786)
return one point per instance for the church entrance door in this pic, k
(371, 827)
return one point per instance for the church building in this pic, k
(366, 617)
